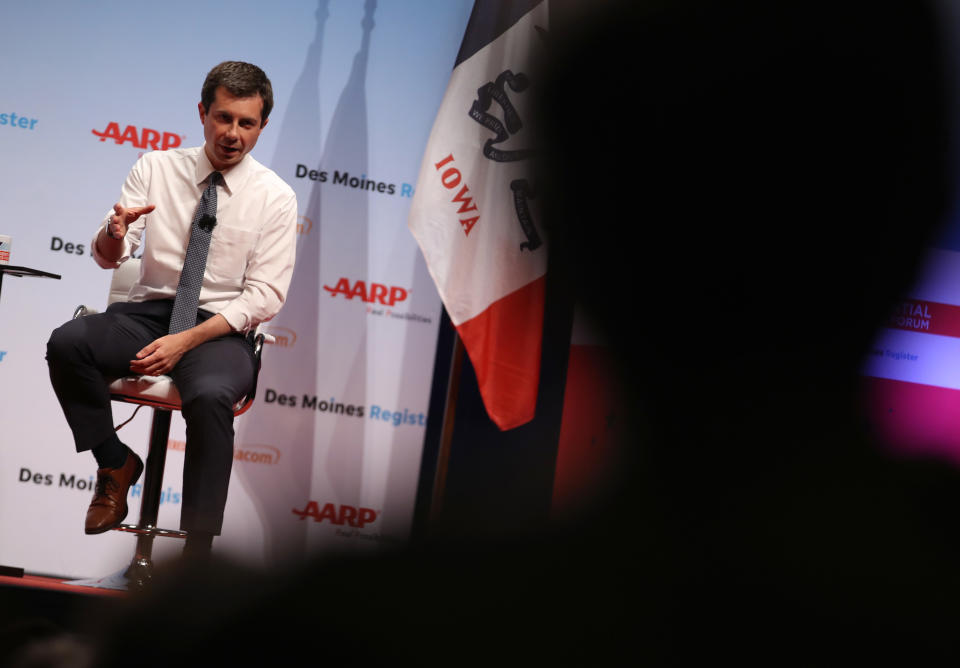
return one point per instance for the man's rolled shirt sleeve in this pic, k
(132, 194)
(269, 269)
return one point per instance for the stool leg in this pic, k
(139, 571)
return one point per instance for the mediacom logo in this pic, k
(257, 454)
(145, 138)
(304, 225)
(339, 515)
(284, 337)
(377, 292)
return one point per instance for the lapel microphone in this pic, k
(207, 223)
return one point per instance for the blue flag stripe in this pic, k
(488, 20)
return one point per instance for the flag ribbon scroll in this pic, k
(475, 211)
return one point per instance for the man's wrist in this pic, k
(107, 230)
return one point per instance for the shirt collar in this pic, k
(233, 178)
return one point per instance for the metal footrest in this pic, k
(151, 531)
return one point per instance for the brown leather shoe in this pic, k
(109, 506)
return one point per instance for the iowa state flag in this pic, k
(474, 212)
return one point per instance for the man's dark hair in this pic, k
(241, 80)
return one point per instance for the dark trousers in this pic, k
(85, 353)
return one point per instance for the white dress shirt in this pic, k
(254, 243)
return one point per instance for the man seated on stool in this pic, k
(186, 198)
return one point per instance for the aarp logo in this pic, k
(373, 293)
(339, 515)
(144, 139)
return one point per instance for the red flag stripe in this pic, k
(503, 342)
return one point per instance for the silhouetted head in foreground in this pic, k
(739, 193)
(752, 181)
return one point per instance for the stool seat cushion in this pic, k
(157, 391)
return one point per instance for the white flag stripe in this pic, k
(472, 270)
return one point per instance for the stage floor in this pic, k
(34, 608)
(42, 582)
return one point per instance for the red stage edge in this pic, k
(50, 583)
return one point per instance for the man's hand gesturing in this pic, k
(122, 217)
